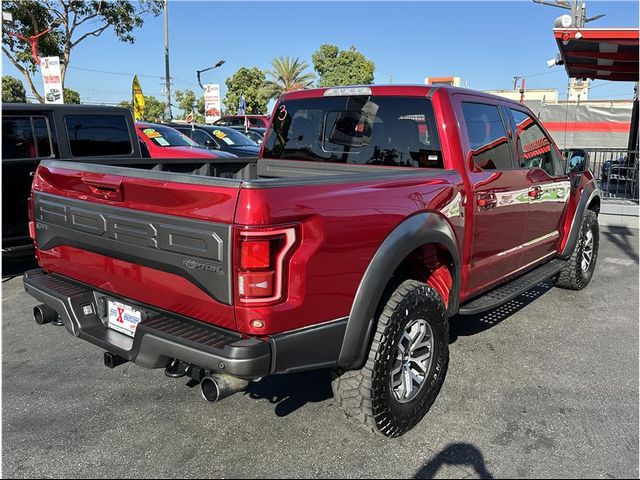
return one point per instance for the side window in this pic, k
(534, 148)
(490, 148)
(17, 138)
(201, 137)
(43, 136)
(98, 135)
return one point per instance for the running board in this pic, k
(509, 291)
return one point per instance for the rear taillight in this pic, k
(32, 223)
(261, 263)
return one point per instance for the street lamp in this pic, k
(7, 18)
(198, 72)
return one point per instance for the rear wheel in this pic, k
(579, 270)
(406, 365)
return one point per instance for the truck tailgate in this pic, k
(129, 232)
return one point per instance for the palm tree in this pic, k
(288, 74)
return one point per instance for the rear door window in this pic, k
(25, 137)
(374, 130)
(98, 135)
(487, 135)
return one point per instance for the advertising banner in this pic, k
(52, 79)
(212, 106)
(137, 99)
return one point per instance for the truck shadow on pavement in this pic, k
(292, 391)
(459, 455)
(289, 392)
(467, 325)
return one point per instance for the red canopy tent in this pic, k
(603, 54)
(599, 53)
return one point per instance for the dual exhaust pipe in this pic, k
(214, 387)
(218, 386)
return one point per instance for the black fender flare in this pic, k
(586, 197)
(415, 231)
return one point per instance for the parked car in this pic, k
(220, 139)
(162, 141)
(373, 216)
(261, 121)
(33, 132)
(254, 133)
(53, 95)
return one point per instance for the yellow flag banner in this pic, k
(137, 99)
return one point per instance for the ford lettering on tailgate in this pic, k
(194, 249)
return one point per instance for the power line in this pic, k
(540, 74)
(124, 74)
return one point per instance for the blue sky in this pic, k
(485, 43)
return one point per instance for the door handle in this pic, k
(487, 201)
(535, 193)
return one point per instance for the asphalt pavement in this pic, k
(545, 386)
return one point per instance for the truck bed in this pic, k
(245, 172)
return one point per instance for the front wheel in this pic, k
(406, 366)
(579, 269)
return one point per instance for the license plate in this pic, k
(123, 318)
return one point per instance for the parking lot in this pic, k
(545, 386)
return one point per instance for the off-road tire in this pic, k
(572, 276)
(365, 395)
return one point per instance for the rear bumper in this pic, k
(162, 336)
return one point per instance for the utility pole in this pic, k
(168, 115)
(578, 11)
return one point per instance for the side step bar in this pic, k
(509, 291)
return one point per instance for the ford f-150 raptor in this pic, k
(372, 216)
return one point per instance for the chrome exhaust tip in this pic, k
(217, 387)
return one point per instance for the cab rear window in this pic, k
(375, 130)
(98, 135)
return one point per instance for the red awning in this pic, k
(602, 53)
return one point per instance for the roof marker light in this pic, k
(347, 91)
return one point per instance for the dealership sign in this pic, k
(52, 79)
(212, 104)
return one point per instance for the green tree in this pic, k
(288, 74)
(346, 67)
(71, 96)
(13, 90)
(185, 99)
(79, 21)
(249, 82)
(153, 108)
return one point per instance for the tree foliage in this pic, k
(153, 108)
(13, 90)
(79, 19)
(342, 67)
(249, 82)
(288, 75)
(185, 99)
(71, 96)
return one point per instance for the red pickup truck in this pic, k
(373, 215)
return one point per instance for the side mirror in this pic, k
(212, 144)
(578, 161)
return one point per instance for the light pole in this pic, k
(198, 72)
(33, 39)
(168, 115)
